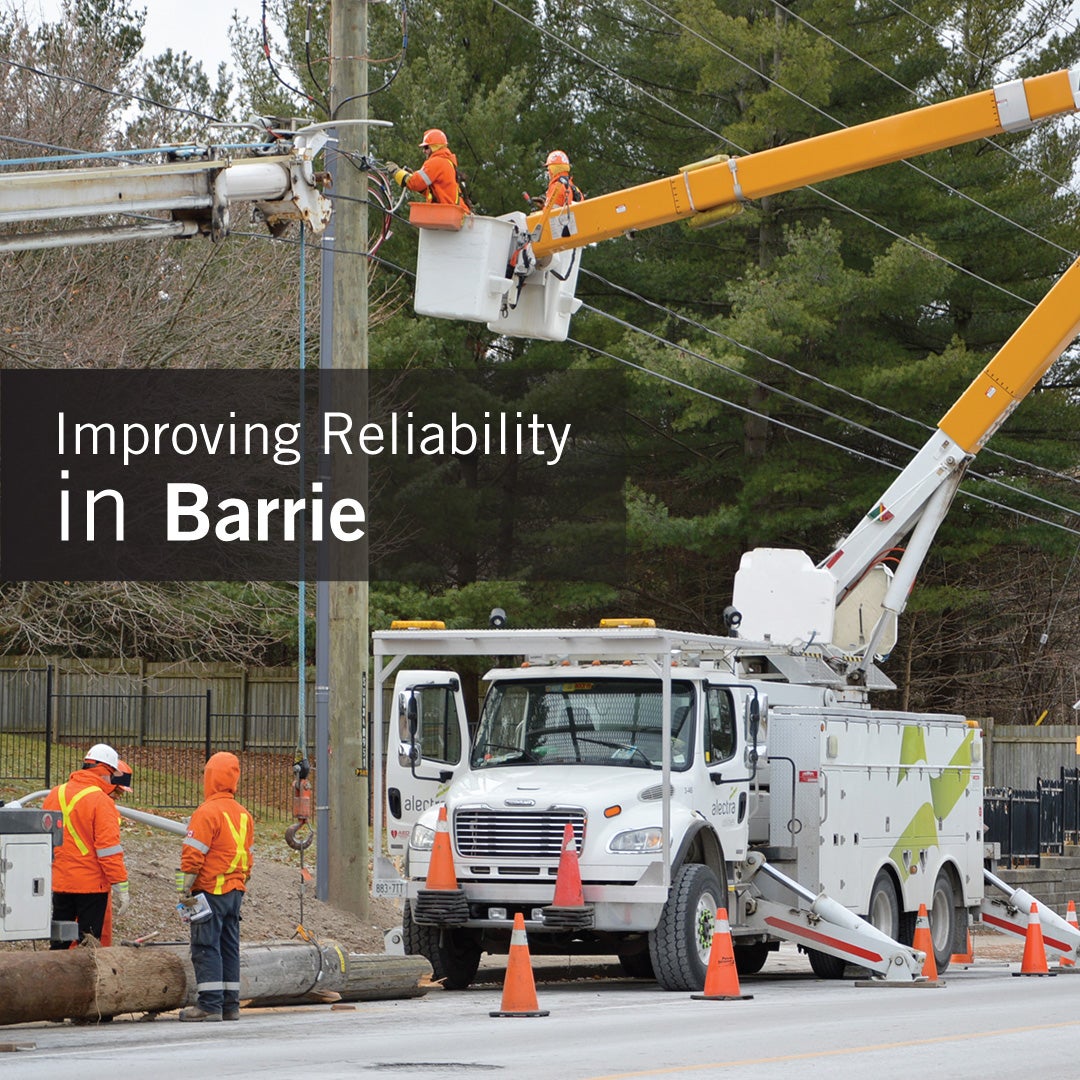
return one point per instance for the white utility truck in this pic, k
(781, 784)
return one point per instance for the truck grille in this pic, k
(498, 834)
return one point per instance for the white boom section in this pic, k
(1009, 915)
(197, 193)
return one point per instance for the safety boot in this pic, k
(195, 1014)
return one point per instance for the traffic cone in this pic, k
(519, 989)
(1070, 918)
(925, 943)
(567, 911)
(441, 902)
(1034, 961)
(441, 868)
(721, 977)
(964, 957)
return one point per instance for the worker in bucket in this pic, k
(438, 178)
(215, 865)
(89, 862)
(561, 190)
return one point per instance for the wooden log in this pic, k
(91, 983)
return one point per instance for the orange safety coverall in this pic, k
(217, 848)
(91, 858)
(437, 178)
(561, 190)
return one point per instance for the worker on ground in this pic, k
(122, 786)
(438, 178)
(89, 862)
(216, 862)
(561, 190)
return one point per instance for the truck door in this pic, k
(426, 744)
(726, 803)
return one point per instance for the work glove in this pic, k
(392, 167)
(121, 898)
(184, 884)
(399, 175)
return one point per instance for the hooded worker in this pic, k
(215, 863)
(437, 179)
(89, 862)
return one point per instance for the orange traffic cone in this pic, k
(721, 977)
(567, 911)
(568, 892)
(1034, 961)
(441, 902)
(967, 957)
(1070, 918)
(441, 868)
(519, 989)
(925, 943)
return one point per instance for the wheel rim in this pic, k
(940, 920)
(881, 913)
(704, 924)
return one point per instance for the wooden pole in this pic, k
(90, 983)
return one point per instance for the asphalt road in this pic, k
(982, 1022)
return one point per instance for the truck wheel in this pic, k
(943, 920)
(884, 909)
(682, 940)
(454, 954)
(750, 959)
(825, 965)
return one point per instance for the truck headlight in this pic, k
(638, 840)
(422, 838)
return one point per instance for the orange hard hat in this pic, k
(557, 157)
(434, 137)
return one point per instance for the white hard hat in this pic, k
(103, 753)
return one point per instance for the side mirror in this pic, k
(412, 715)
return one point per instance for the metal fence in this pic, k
(1029, 823)
(165, 738)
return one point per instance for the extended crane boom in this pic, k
(519, 273)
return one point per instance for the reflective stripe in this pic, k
(118, 849)
(214, 986)
(65, 809)
(230, 986)
(240, 859)
(198, 845)
(427, 179)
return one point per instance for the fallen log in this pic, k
(92, 983)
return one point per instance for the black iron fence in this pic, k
(165, 738)
(1034, 822)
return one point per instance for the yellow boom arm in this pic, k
(709, 186)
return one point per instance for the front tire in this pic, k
(454, 953)
(682, 940)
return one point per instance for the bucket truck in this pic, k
(697, 772)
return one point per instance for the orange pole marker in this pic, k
(1034, 961)
(519, 989)
(722, 977)
(568, 891)
(925, 943)
(441, 874)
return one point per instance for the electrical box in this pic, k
(545, 302)
(27, 838)
(462, 274)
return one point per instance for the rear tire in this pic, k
(944, 921)
(883, 912)
(680, 944)
(825, 965)
(454, 953)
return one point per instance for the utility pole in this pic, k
(347, 788)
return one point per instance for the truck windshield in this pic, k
(582, 722)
